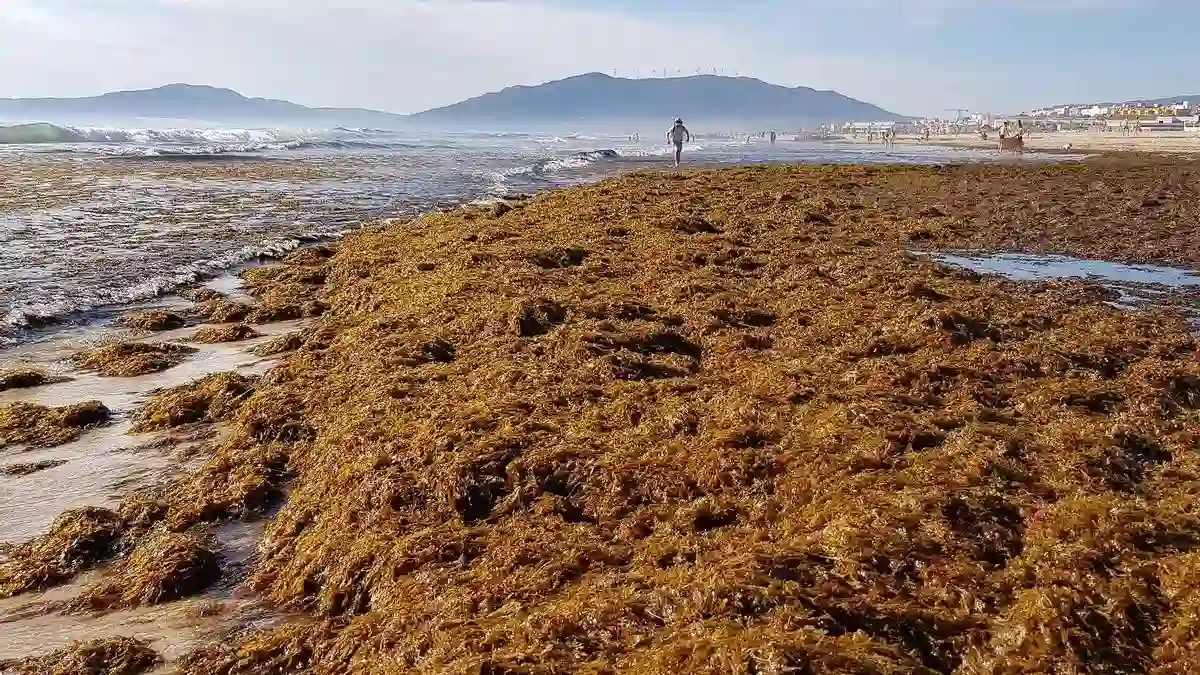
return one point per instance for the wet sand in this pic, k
(107, 463)
(755, 419)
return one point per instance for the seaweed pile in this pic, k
(39, 426)
(221, 334)
(289, 342)
(715, 422)
(30, 468)
(210, 399)
(114, 656)
(153, 320)
(1119, 207)
(24, 378)
(130, 359)
(78, 541)
(288, 291)
(167, 566)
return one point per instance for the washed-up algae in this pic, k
(153, 320)
(25, 378)
(202, 294)
(222, 334)
(30, 468)
(722, 421)
(39, 426)
(110, 656)
(310, 255)
(289, 342)
(223, 310)
(78, 540)
(288, 290)
(213, 398)
(131, 359)
(165, 567)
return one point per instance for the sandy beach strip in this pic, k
(1185, 142)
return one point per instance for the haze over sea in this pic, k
(94, 220)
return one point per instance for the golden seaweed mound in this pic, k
(78, 540)
(130, 359)
(153, 320)
(110, 656)
(24, 378)
(288, 342)
(212, 398)
(222, 334)
(165, 567)
(39, 426)
(30, 468)
(728, 422)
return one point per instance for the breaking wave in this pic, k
(543, 167)
(38, 314)
(197, 142)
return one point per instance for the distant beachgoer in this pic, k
(772, 138)
(679, 135)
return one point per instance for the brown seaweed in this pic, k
(222, 334)
(210, 399)
(732, 424)
(164, 567)
(152, 320)
(110, 656)
(131, 359)
(35, 425)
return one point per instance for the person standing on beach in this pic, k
(678, 135)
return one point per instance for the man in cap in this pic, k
(678, 135)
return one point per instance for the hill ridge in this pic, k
(598, 96)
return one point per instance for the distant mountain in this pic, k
(185, 101)
(589, 98)
(709, 97)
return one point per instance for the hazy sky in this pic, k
(911, 56)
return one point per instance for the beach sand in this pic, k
(1084, 141)
(1080, 141)
(722, 421)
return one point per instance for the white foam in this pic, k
(27, 315)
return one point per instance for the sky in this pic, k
(919, 57)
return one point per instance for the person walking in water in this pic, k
(678, 135)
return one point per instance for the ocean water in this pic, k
(95, 220)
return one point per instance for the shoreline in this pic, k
(39, 328)
(701, 420)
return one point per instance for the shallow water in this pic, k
(1028, 266)
(1138, 286)
(106, 463)
(33, 625)
(103, 466)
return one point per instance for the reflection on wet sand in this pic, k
(38, 624)
(106, 462)
(100, 468)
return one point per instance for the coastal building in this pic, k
(864, 127)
